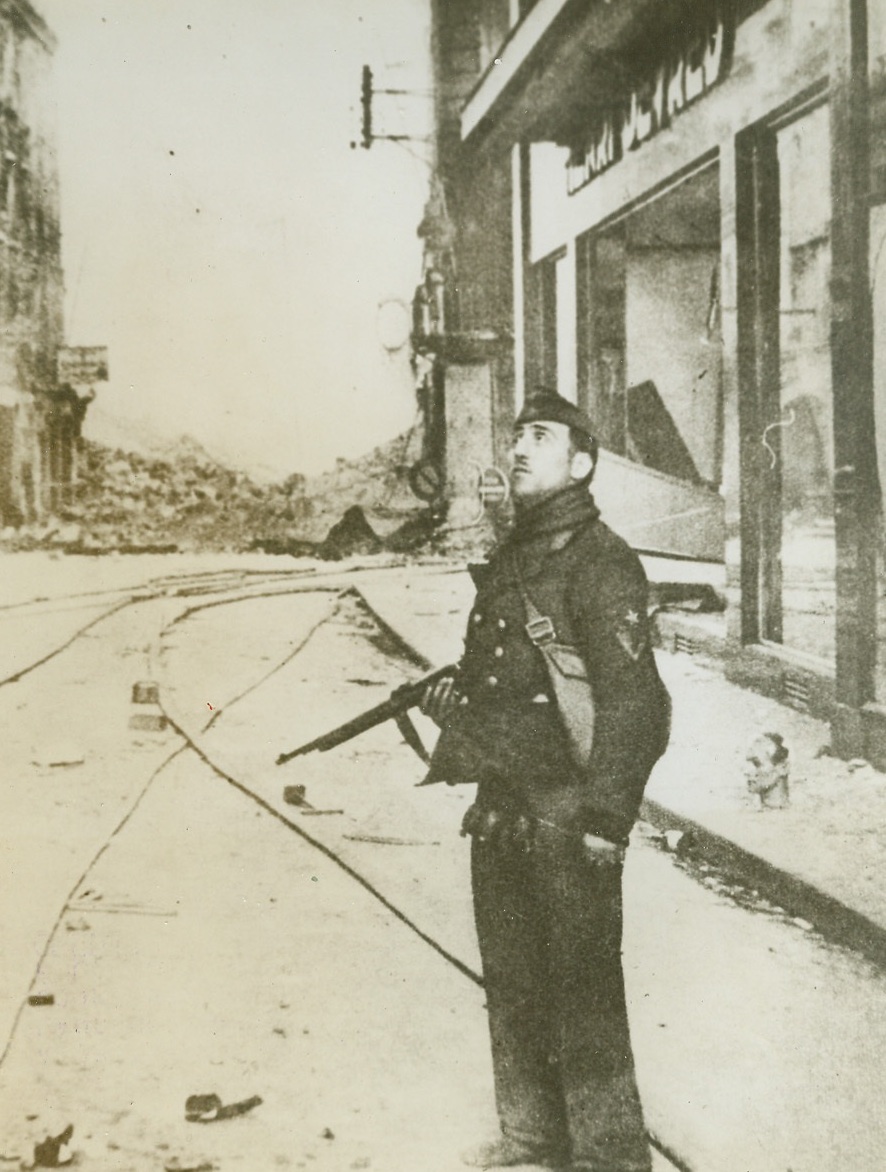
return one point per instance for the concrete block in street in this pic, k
(148, 721)
(145, 692)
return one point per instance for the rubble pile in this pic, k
(364, 506)
(188, 501)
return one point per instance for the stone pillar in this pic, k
(471, 374)
(855, 457)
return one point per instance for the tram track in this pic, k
(189, 585)
(14, 677)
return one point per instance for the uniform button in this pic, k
(499, 652)
(493, 681)
(463, 700)
(502, 624)
(478, 618)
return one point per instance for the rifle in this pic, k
(395, 708)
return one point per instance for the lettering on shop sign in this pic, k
(696, 63)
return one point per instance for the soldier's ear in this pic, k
(581, 465)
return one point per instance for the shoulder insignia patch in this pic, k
(631, 632)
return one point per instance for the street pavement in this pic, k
(181, 924)
(192, 943)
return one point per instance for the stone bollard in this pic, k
(767, 771)
(147, 694)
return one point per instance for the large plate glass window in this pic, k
(796, 434)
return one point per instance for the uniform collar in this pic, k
(541, 530)
(564, 511)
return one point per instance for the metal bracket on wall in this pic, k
(493, 487)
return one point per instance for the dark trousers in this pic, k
(549, 924)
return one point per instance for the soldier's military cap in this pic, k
(548, 406)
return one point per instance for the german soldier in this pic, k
(551, 820)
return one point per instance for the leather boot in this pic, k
(507, 1152)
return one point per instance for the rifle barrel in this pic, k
(399, 701)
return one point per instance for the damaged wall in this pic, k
(31, 286)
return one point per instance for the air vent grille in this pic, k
(796, 692)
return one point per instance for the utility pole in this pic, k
(367, 92)
(366, 103)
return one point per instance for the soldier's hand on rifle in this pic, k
(439, 700)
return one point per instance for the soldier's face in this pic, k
(542, 460)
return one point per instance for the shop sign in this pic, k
(82, 365)
(698, 60)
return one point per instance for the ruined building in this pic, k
(674, 211)
(39, 421)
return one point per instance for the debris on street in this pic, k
(294, 795)
(390, 840)
(209, 1108)
(53, 1152)
(177, 1164)
(677, 841)
(123, 909)
(78, 925)
(57, 755)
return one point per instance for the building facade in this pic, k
(674, 212)
(39, 421)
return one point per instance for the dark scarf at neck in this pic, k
(567, 509)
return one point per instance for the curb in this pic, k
(835, 921)
(402, 646)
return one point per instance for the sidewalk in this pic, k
(823, 859)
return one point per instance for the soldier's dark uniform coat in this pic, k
(548, 918)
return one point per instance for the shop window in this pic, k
(550, 324)
(788, 397)
(542, 307)
(649, 346)
(805, 402)
(602, 337)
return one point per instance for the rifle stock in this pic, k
(397, 704)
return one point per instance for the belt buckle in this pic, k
(541, 630)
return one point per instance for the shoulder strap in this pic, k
(568, 676)
(540, 628)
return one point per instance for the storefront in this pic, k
(696, 231)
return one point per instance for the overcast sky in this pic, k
(221, 237)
